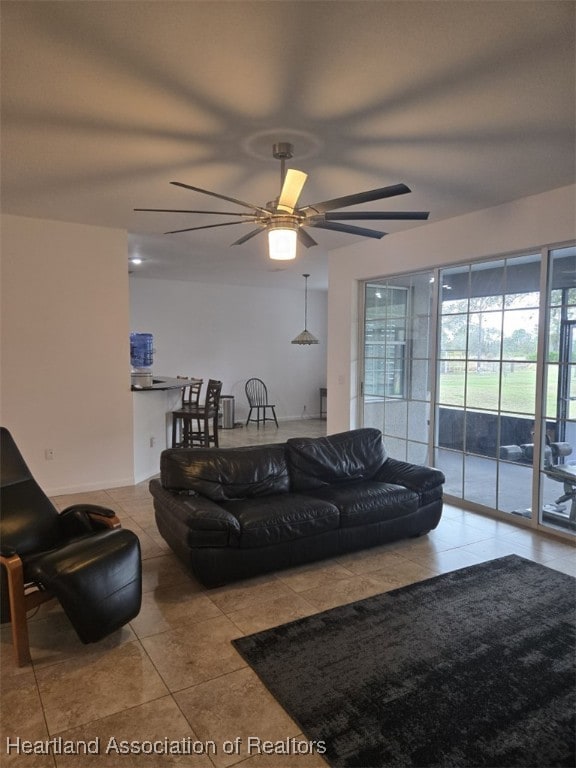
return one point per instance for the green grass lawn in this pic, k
(482, 391)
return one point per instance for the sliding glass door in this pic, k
(473, 369)
(486, 404)
(557, 458)
(397, 343)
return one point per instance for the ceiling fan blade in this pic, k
(306, 240)
(248, 236)
(291, 189)
(220, 197)
(351, 230)
(375, 216)
(360, 197)
(209, 226)
(176, 210)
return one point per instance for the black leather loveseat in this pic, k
(230, 513)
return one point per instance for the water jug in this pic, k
(141, 358)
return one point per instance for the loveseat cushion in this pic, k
(427, 482)
(368, 501)
(223, 474)
(273, 519)
(324, 461)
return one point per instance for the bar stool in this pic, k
(206, 417)
(183, 416)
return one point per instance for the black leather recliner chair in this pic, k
(81, 556)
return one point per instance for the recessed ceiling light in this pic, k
(136, 260)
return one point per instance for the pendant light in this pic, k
(305, 337)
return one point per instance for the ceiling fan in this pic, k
(285, 222)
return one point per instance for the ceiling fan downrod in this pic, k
(282, 151)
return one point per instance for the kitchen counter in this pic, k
(160, 384)
(152, 419)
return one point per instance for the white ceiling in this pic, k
(471, 104)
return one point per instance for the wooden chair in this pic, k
(205, 417)
(257, 395)
(182, 417)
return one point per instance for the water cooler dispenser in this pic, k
(141, 358)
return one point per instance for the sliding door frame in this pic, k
(534, 521)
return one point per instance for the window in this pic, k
(385, 341)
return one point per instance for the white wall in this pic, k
(65, 375)
(152, 429)
(64, 365)
(523, 224)
(231, 333)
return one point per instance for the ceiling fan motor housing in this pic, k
(283, 222)
(283, 150)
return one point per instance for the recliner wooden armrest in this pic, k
(91, 517)
(20, 602)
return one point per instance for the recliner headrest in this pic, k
(13, 468)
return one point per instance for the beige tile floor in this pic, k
(172, 674)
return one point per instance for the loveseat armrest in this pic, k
(416, 477)
(206, 523)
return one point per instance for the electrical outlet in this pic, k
(49, 454)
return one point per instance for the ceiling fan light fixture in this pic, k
(305, 337)
(282, 239)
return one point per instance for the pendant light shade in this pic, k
(305, 337)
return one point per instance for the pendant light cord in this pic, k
(305, 337)
(306, 301)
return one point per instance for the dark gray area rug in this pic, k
(472, 668)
